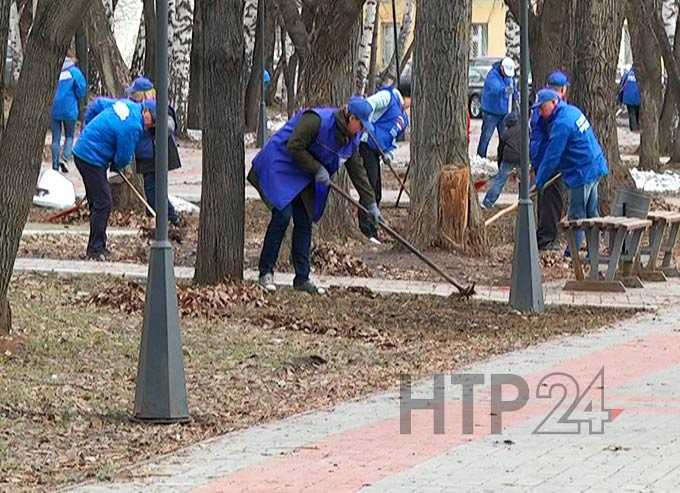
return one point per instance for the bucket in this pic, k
(631, 203)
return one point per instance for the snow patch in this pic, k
(650, 181)
(482, 166)
(184, 206)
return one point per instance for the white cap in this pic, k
(508, 66)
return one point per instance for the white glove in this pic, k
(322, 176)
(373, 210)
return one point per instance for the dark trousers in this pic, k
(372, 164)
(150, 192)
(550, 206)
(633, 117)
(98, 193)
(302, 240)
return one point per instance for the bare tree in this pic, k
(105, 53)
(221, 228)
(196, 69)
(551, 35)
(600, 24)
(648, 74)
(438, 138)
(22, 142)
(390, 71)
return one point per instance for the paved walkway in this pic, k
(653, 296)
(627, 440)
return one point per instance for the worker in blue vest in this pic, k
(574, 151)
(108, 140)
(71, 88)
(293, 173)
(550, 204)
(629, 94)
(499, 97)
(389, 120)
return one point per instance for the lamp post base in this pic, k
(526, 291)
(160, 395)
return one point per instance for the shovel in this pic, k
(139, 196)
(465, 291)
(514, 206)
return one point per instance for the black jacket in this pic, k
(144, 166)
(509, 141)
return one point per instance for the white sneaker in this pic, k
(266, 282)
(374, 240)
(483, 206)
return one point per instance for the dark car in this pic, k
(479, 68)
(477, 71)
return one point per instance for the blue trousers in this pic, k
(150, 192)
(302, 240)
(497, 183)
(583, 204)
(490, 122)
(69, 132)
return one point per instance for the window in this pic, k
(388, 42)
(479, 40)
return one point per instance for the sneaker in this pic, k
(553, 246)
(374, 240)
(309, 287)
(484, 206)
(266, 282)
(99, 255)
(62, 165)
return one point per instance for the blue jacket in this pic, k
(629, 91)
(281, 179)
(572, 149)
(389, 124)
(110, 137)
(71, 88)
(497, 91)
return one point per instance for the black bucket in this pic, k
(631, 203)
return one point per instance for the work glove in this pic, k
(508, 90)
(387, 158)
(322, 176)
(373, 210)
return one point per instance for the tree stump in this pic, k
(454, 195)
(5, 318)
(122, 196)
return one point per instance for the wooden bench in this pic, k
(663, 237)
(621, 262)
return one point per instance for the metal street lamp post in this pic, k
(160, 395)
(262, 126)
(526, 291)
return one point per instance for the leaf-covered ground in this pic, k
(68, 371)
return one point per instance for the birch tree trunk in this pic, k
(180, 67)
(365, 47)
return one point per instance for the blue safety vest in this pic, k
(281, 179)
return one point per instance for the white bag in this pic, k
(54, 191)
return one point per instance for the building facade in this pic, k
(487, 36)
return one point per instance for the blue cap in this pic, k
(544, 96)
(362, 109)
(150, 105)
(140, 84)
(558, 79)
